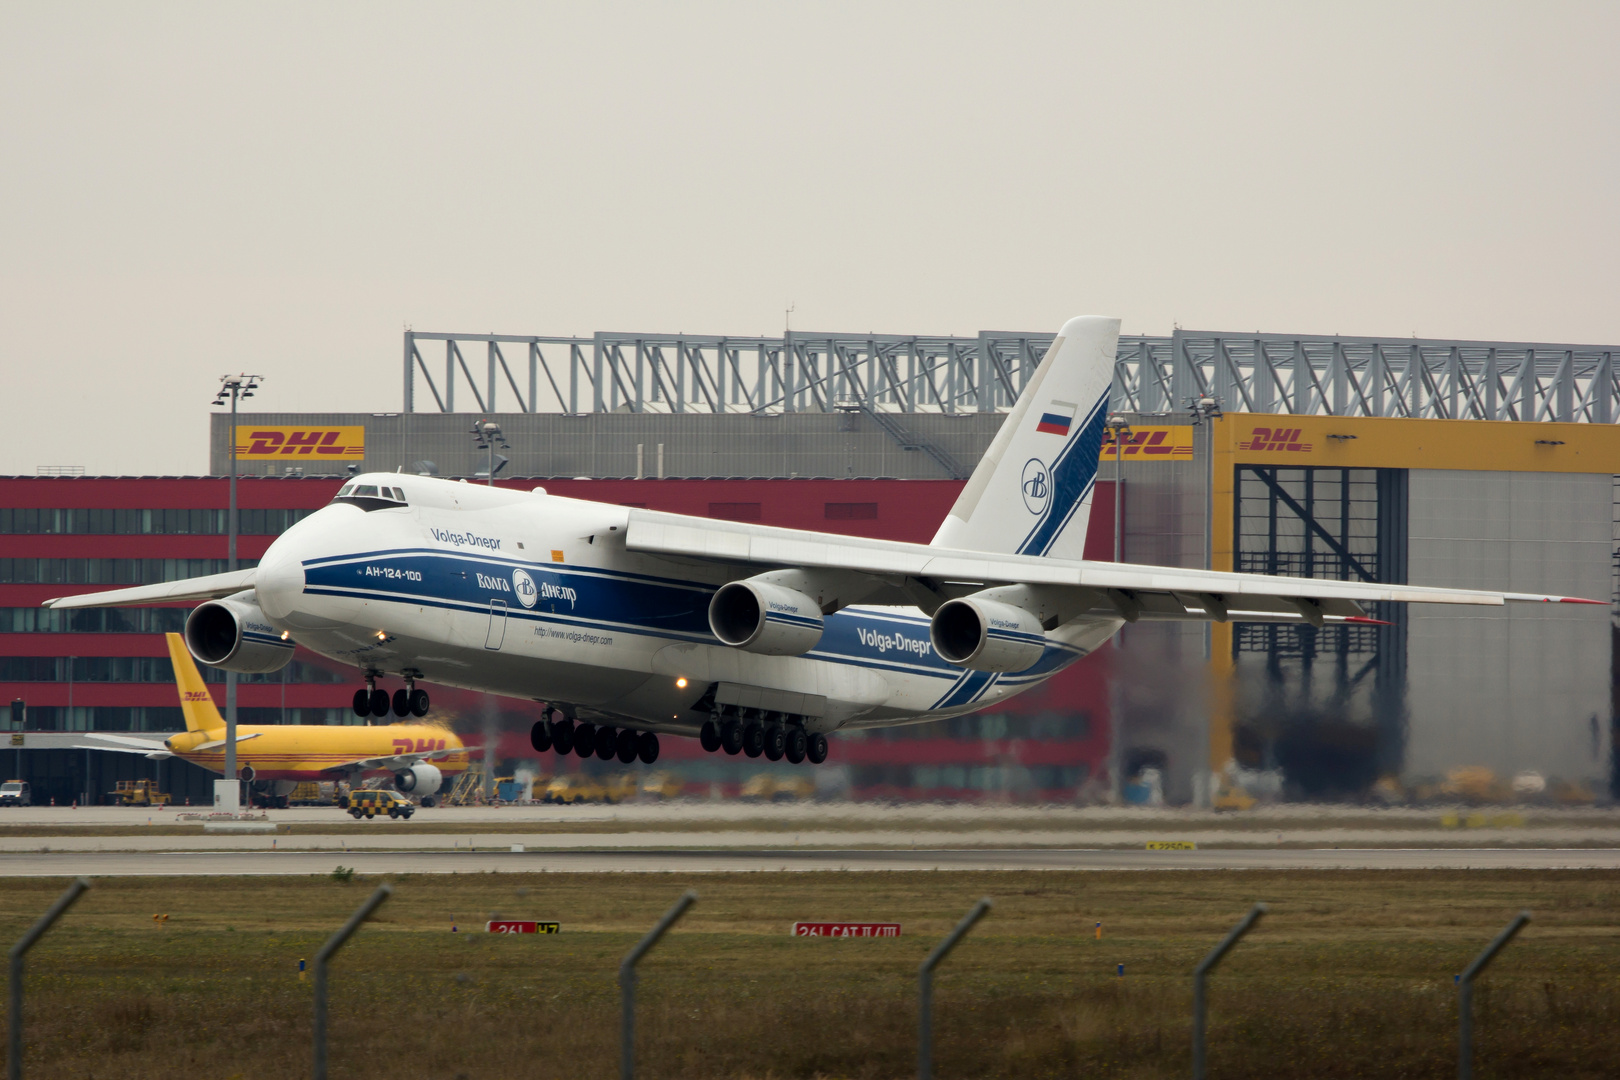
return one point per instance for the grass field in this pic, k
(1349, 976)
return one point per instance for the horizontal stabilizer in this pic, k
(196, 589)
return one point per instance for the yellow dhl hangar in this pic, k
(274, 758)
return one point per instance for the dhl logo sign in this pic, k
(195, 695)
(1272, 440)
(422, 746)
(1150, 444)
(271, 443)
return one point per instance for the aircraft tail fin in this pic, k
(196, 703)
(1031, 493)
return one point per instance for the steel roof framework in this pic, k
(816, 372)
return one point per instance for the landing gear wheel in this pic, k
(775, 742)
(607, 743)
(540, 736)
(419, 703)
(430, 802)
(628, 744)
(796, 746)
(362, 702)
(379, 703)
(709, 736)
(562, 736)
(754, 739)
(584, 739)
(817, 750)
(402, 702)
(731, 737)
(647, 747)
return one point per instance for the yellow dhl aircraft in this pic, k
(275, 757)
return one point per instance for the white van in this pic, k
(15, 793)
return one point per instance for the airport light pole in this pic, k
(232, 388)
(486, 433)
(1119, 427)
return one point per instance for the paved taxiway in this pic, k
(174, 864)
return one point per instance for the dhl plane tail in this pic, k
(195, 701)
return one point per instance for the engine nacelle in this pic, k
(986, 635)
(419, 779)
(763, 618)
(234, 634)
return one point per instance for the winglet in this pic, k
(1542, 598)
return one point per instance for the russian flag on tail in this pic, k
(1056, 417)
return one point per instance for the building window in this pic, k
(851, 512)
(145, 669)
(33, 620)
(186, 522)
(109, 571)
(735, 511)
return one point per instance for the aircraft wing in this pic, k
(396, 762)
(124, 744)
(918, 571)
(211, 587)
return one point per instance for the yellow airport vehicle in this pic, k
(370, 804)
(662, 785)
(139, 793)
(769, 787)
(574, 788)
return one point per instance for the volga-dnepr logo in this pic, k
(523, 585)
(1035, 485)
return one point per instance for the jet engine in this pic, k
(760, 617)
(234, 634)
(419, 779)
(987, 635)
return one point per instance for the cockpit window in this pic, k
(371, 497)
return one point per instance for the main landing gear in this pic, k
(769, 737)
(406, 701)
(557, 732)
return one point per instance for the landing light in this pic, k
(680, 683)
(382, 635)
(285, 635)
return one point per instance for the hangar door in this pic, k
(1323, 704)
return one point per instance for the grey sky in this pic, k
(190, 189)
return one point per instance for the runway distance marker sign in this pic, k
(1172, 845)
(522, 926)
(846, 929)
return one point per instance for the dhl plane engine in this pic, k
(420, 779)
(234, 634)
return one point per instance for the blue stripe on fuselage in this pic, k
(598, 598)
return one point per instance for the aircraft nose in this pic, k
(279, 581)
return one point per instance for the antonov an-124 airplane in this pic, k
(629, 624)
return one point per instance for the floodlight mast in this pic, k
(486, 433)
(234, 388)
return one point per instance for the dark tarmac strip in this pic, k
(167, 864)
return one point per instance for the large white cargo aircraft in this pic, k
(632, 623)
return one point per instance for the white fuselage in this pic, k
(535, 596)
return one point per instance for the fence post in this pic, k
(627, 983)
(24, 943)
(333, 944)
(1465, 995)
(925, 988)
(1201, 972)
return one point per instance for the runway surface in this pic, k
(177, 864)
